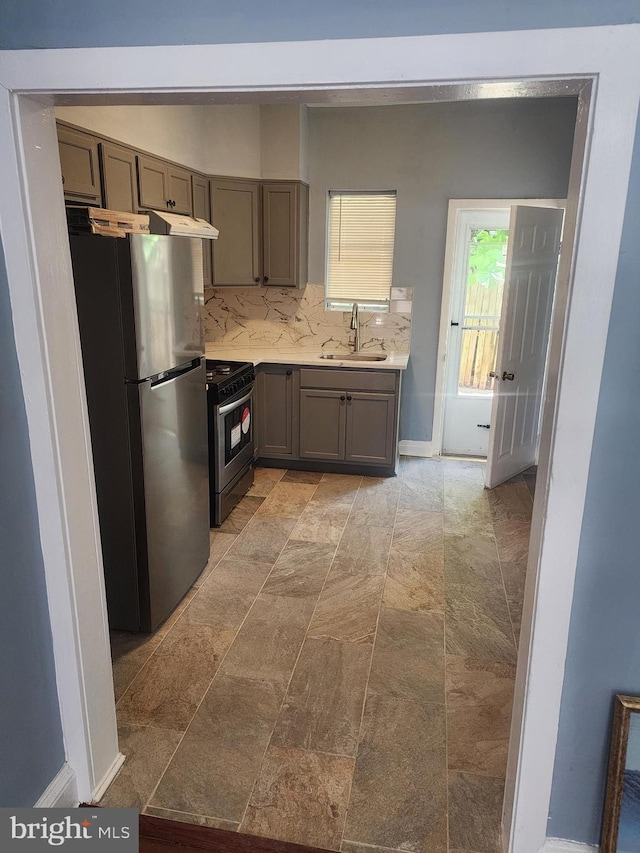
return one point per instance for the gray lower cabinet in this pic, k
(323, 417)
(370, 435)
(277, 411)
(119, 185)
(79, 165)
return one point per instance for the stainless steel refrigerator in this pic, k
(139, 303)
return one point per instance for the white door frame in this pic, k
(458, 207)
(33, 231)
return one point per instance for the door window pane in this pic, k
(483, 300)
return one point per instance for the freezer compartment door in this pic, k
(175, 461)
(168, 299)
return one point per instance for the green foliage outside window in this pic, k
(487, 256)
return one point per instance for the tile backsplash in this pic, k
(297, 318)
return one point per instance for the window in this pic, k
(360, 240)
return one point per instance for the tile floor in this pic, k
(341, 675)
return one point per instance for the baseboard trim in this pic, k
(559, 845)
(107, 779)
(61, 792)
(416, 448)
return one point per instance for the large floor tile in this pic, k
(415, 576)
(323, 706)
(510, 501)
(475, 808)
(478, 738)
(220, 544)
(398, 798)
(426, 525)
(514, 575)
(300, 796)
(301, 569)
(478, 623)
(348, 608)
(241, 514)
(287, 499)
(262, 539)
(267, 646)
(321, 522)
(187, 817)
(172, 683)
(470, 681)
(310, 477)
(374, 505)
(337, 488)
(422, 490)
(408, 657)
(147, 753)
(355, 847)
(129, 653)
(214, 769)
(363, 549)
(264, 479)
(512, 539)
(226, 596)
(472, 559)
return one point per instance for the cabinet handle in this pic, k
(266, 279)
(288, 373)
(342, 399)
(257, 279)
(349, 398)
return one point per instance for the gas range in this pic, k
(225, 379)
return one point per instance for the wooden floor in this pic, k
(341, 675)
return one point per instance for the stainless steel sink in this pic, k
(352, 356)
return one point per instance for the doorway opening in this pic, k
(471, 319)
(54, 399)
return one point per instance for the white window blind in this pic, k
(360, 249)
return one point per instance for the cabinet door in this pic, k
(79, 166)
(179, 187)
(285, 213)
(322, 424)
(371, 422)
(152, 183)
(279, 234)
(200, 192)
(119, 177)
(237, 251)
(275, 412)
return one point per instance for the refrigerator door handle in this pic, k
(222, 410)
(176, 373)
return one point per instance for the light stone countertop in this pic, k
(308, 358)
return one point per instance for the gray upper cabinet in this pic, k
(119, 185)
(285, 213)
(277, 415)
(163, 186)
(237, 251)
(201, 208)
(79, 166)
(263, 232)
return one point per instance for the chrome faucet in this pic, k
(355, 325)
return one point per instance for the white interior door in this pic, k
(532, 262)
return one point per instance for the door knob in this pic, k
(509, 376)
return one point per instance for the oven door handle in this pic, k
(222, 410)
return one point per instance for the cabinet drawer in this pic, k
(348, 380)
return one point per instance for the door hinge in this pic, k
(485, 426)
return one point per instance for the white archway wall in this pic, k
(33, 232)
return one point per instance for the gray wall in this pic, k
(603, 657)
(431, 153)
(31, 747)
(68, 23)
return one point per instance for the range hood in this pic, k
(161, 222)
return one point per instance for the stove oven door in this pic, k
(233, 437)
